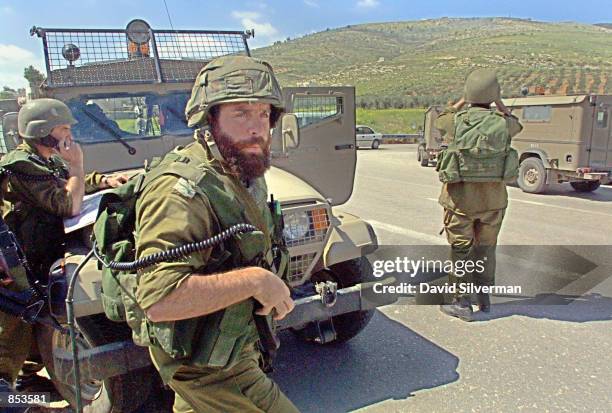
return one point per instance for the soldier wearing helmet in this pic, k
(42, 182)
(199, 312)
(474, 193)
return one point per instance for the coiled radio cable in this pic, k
(174, 254)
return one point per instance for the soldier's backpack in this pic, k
(480, 150)
(114, 237)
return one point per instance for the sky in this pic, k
(272, 19)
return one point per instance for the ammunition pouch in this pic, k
(511, 166)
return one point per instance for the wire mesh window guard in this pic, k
(106, 57)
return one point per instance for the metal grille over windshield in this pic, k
(93, 57)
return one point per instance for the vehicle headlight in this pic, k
(297, 225)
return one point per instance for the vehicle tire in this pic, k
(532, 176)
(423, 157)
(346, 274)
(124, 393)
(585, 186)
(375, 144)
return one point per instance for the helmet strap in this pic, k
(50, 142)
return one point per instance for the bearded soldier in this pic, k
(199, 311)
(474, 170)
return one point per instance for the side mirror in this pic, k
(290, 130)
(10, 131)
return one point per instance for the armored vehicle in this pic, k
(431, 143)
(564, 139)
(128, 90)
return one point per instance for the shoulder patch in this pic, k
(185, 187)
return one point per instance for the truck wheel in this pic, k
(375, 144)
(124, 393)
(585, 186)
(423, 157)
(532, 176)
(346, 274)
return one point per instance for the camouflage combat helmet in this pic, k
(232, 79)
(481, 86)
(37, 117)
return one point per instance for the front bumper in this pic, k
(117, 358)
(603, 177)
(324, 305)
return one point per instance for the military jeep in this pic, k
(128, 90)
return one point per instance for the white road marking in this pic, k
(583, 211)
(395, 229)
(396, 181)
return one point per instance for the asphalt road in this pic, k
(547, 350)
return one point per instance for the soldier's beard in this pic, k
(248, 165)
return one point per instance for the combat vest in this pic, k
(214, 340)
(40, 233)
(480, 150)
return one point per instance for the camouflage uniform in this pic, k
(473, 211)
(172, 211)
(34, 211)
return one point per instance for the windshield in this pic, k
(102, 119)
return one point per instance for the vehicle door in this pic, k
(325, 156)
(601, 137)
(368, 136)
(360, 136)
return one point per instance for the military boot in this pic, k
(460, 308)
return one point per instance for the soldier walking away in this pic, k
(42, 182)
(474, 169)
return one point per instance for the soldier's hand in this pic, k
(459, 104)
(273, 295)
(114, 181)
(71, 152)
(502, 108)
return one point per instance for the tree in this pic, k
(34, 78)
(8, 93)
(33, 75)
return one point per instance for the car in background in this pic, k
(367, 138)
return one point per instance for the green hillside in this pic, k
(392, 120)
(418, 63)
